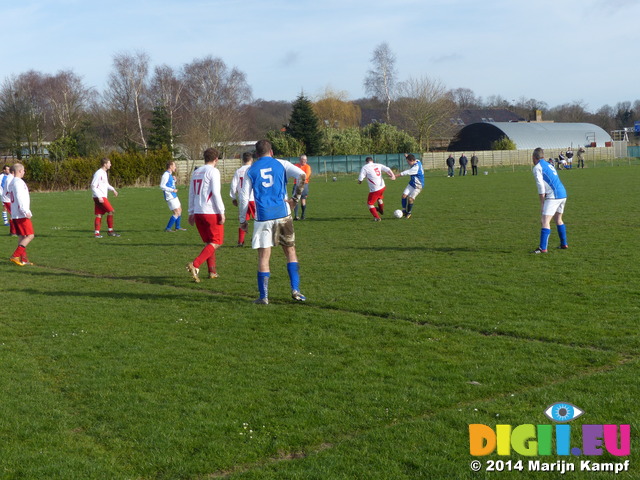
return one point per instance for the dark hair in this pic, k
(368, 159)
(411, 156)
(538, 153)
(263, 147)
(247, 157)
(210, 155)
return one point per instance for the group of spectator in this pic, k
(462, 161)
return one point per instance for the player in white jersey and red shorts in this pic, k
(373, 173)
(206, 212)
(100, 188)
(21, 215)
(236, 186)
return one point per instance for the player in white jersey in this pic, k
(21, 215)
(168, 186)
(373, 173)
(267, 178)
(553, 197)
(100, 188)
(5, 184)
(234, 193)
(206, 212)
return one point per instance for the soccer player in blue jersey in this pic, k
(273, 225)
(415, 184)
(168, 186)
(553, 198)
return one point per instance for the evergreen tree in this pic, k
(160, 133)
(303, 125)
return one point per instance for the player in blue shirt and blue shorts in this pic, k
(415, 184)
(273, 225)
(553, 198)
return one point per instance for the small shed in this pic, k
(530, 135)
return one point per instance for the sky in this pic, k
(555, 51)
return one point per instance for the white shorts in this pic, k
(411, 192)
(173, 203)
(270, 233)
(553, 206)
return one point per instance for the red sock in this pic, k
(206, 252)
(381, 207)
(372, 209)
(241, 234)
(211, 262)
(97, 223)
(110, 222)
(19, 252)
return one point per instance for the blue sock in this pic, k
(178, 220)
(263, 284)
(562, 233)
(172, 220)
(294, 275)
(544, 238)
(404, 203)
(409, 207)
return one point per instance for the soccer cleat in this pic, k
(377, 219)
(113, 234)
(17, 261)
(168, 230)
(297, 296)
(194, 272)
(563, 247)
(408, 215)
(26, 262)
(213, 275)
(181, 229)
(97, 235)
(240, 244)
(295, 219)
(539, 250)
(261, 301)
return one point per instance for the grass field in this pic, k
(115, 365)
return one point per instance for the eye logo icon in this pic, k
(563, 412)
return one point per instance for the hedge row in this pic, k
(127, 169)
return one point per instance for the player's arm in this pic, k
(244, 195)
(164, 183)
(389, 172)
(295, 172)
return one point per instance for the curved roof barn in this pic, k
(529, 135)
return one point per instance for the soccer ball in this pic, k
(397, 213)
(335, 179)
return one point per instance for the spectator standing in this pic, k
(581, 152)
(463, 165)
(569, 154)
(474, 164)
(451, 163)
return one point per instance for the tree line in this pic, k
(205, 102)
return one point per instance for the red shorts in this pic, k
(24, 227)
(210, 228)
(375, 196)
(102, 208)
(251, 210)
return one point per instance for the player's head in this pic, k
(538, 153)
(6, 169)
(18, 169)
(211, 155)
(263, 148)
(171, 166)
(303, 159)
(368, 160)
(411, 159)
(105, 163)
(247, 157)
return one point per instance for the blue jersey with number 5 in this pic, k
(268, 177)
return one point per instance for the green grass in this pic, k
(115, 365)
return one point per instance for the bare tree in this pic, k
(68, 100)
(381, 78)
(465, 98)
(426, 107)
(166, 90)
(214, 98)
(125, 97)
